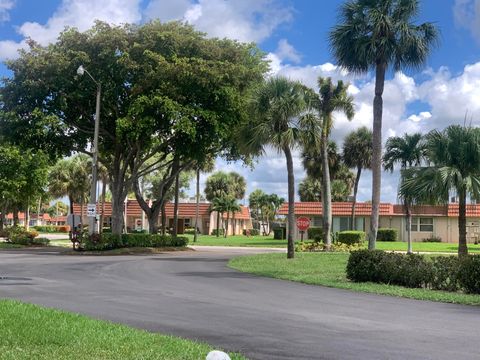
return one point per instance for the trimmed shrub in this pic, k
(280, 233)
(111, 241)
(432, 239)
(220, 232)
(52, 228)
(469, 274)
(320, 246)
(40, 241)
(315, 234)
(387, 234)
(351, 237)
(389, 268)
(445, 273)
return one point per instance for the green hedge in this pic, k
(386, 234)
(351, 237)
(18, 235)
(279, 233)
(315, 234)
(433, 239)
(111, 241)
(52, 228)
(253, 232)
(447, 273)
(220, 232)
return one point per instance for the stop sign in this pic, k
(303, 223)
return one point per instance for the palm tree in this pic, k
(70, 177)
(239, 186)
(331, 98)
(454, 166)
(407, 151)
(357, 153)
(377, 34)
(205, 167)
(279, 120)
(217, 187)
(230, 206)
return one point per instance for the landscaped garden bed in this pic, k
(329, 269)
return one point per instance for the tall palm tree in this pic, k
(239, 186)
(231, 206)
(407, 151)
(207, 166)
(279, 120)
(70, 177)
(217, 187)
(454, 166)
(378, 34)
(331, 98)
(357, 153)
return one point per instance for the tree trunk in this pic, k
(39, 208)
(327, 193)
(218, 223)
(354, 202)
(377, 152)
(27, 216)
(462, 224)
(15, 216)
(197, 206)
(118, 204)
(3, 215)
(164, 218)
(175, 206)
(104, 191)
(72, 229)
(81, 215)
(291, 204)
(409, 228)
(225, 234)
(234, 224)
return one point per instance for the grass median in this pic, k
(328, 269)
(33, 332)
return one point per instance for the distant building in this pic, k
(136, 220)
(427, 221)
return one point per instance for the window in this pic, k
(344, 223)
(187, 222)
(426, 224)
(422, 224)
(317, 221)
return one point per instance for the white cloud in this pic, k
(467, 15)
(246, 20)
(424, 115)
(74, 13)
(286, 51)
(5, 7)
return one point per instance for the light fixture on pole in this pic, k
(92, 206)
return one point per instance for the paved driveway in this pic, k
(194, 295)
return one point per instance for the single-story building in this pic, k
(427, 221)
(43, 219)
(136, 219)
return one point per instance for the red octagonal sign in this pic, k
(303, 223)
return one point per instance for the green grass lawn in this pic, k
(5, 245)
(425, 247)
(328, 269)
(33, 332)
(237, 240)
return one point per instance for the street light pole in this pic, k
(92, 228)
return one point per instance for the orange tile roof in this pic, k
(185, 210)
(386, 209)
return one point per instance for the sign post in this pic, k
(91, 210)
(303, 223)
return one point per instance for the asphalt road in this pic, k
(194, 295)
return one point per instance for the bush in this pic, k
(320, 246)
(351, 237)
(280, 233)
(253, 232)
(220, 232)
(387, 235)
(315, 234)
(390, 268)
(41, 241)
(52, 228)
(18, 235)
(469, 274)
(445, 273)
(111, 241)
(433, 239)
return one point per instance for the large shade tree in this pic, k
(279, 120)
(376, 35)
(357, 154)
(331, 98)
(168, 92)
(406, 151)
(453, 167)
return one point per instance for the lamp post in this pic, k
(92, 228)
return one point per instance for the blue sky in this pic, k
(294, 34)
